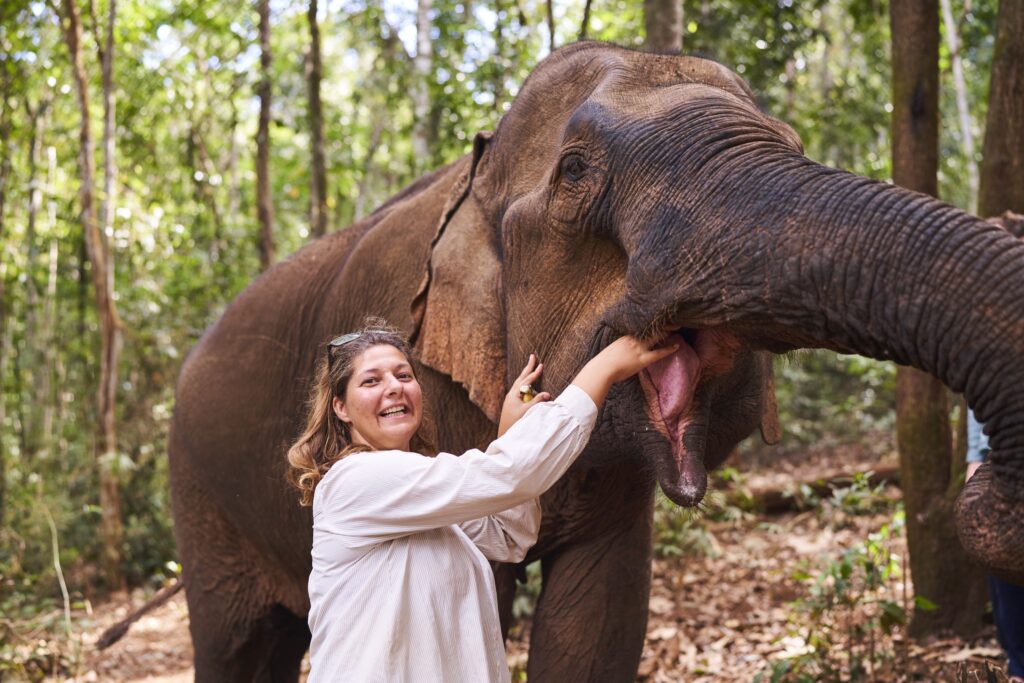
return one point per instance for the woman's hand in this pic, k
(620, 360)
(514, 408)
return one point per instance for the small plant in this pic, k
(857, 499)
(839, 625)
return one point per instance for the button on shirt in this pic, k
(401, 588)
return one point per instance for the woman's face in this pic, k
(383, 403)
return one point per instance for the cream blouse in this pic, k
(401, 589)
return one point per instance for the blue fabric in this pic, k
(1008, 613)
(1007, 598)
(977, 442)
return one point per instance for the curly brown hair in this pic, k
(326, 439)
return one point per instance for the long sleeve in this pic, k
(508, 535)
(368, 498)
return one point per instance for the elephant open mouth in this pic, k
(679, 411)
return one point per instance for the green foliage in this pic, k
(830, 398)
(34, 644)
(837, 626)
(527, 593)
(858, 499)
(679, 531)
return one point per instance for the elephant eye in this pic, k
(573, 167)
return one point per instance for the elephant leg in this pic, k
(242, 608)
(505, 584)
(591, 617)
(266, 649)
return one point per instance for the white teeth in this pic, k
(393, 411)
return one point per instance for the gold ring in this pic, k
(526, 393)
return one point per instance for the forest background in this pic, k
(234, 133)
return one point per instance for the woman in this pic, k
(401, 588)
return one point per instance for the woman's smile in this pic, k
(383, 400)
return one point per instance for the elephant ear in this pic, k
(771, 429)
(458, 319)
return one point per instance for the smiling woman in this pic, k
(401, 588)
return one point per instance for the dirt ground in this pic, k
(728, 613)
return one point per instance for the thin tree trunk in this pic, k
(318, 180)
(549, 5)
(931, 476)
(421, 65)
(362, 191)
(204, 191)
(234, 181)
(45, 395)
(663, 22)
(964, 114)
(264, 201)
(5, 171)
(101, 263)
(498, 74)
(1002, 164)
(585, 24)
(29, 353)
(47, 391)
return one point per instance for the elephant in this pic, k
(623, 192)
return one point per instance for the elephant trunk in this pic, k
(837, 261)
(863, 267)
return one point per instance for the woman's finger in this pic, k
(654, 355)
(539, 398)
(529, 378)
(527, 370)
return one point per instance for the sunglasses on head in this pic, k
(351, 337)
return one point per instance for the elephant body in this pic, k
(623, 192)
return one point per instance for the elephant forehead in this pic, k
(626, 104)
(651, 102)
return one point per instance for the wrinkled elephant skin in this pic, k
(623, 192)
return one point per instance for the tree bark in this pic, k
(30, 355)
(102, 275)
(585, 24)
(5, 171)
(551, 24)
(1002, 164)
(318, 181)
(930, 475)
(421, 66)
(264, 202)
(663, 22)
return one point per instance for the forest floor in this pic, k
(813, 595)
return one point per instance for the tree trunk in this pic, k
(421, 66)
(318, 181)
(551, 24)
(101, 265)
(1002, 164)
(5, 171)
(29, 352)
(585, 23)
(931, 477)
(264, 202)
(964, 114)
(663, 22)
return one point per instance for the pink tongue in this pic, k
(675, 379)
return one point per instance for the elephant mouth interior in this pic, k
(677, 412)
(669, 386)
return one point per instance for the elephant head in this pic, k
(627, 192)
